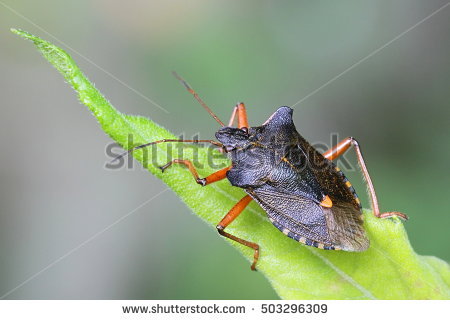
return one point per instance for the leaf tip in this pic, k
(21, 32)
(25, 34)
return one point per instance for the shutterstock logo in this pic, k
(207, 155)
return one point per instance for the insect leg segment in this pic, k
(240, 113)
(340, 149)
(214, 177)
(229, 217)
(233, 116)
(242, 116)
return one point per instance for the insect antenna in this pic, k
(188, 87)
(163, 141)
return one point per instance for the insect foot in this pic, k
(201, 182)
(392, 213)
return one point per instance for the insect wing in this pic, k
(306, 221)
(345, 226)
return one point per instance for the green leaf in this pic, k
(390, 269)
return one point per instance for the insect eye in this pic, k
(245, 129)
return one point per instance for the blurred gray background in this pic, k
(56, 197)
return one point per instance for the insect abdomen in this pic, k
(301, 239)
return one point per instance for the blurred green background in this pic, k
(55, 194)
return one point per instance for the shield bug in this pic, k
(305, 195)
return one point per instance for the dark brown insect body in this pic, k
(304, 194)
